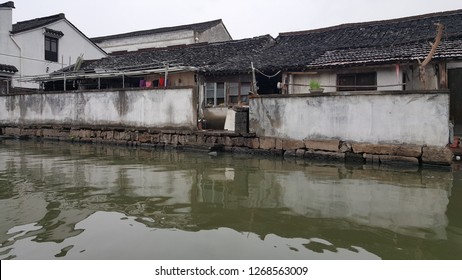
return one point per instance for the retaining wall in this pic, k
(249, 143)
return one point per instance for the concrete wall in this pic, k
(157, 108)
(419, 118)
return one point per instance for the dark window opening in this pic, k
(357, 82)
(51, 49)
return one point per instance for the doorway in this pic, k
(455, 86)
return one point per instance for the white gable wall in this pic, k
(32, 44)
(9, 52)
(218, 33)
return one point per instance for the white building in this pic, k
(203, 32)
(42, 45)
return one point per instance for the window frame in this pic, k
(355, 81)
(50, 54)
(234, 93)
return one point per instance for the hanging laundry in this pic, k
(148, 84)
(142, 83)
(161, 82)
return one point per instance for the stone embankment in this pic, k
(328, 150)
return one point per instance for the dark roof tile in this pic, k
(22, 26)
(8, 68)
(228, 56)
(367, 43)
(9, 4)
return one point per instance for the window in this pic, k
(51, 49)
(220, 93)
(238, 92)
(357, 82)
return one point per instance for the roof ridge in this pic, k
(60, 16)
(25, 25)
(369, 23)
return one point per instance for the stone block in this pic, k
(228, 141)
(323, 145)
(144, 138)
(437, 155)
(398, 160)
(85, 133)
(267, 143)
(278, 144)
(300, 153)
(108, 135)
(12, 131)
(221, 140)
(237, 141)
(174, 139)
(322, 155)
(211, 140)
(29, 132)
(385, 149)
(292, 144)
(190, 138)
(166, 138)
(252, 143)
(50, 133)
(354, 158)
(290, 153)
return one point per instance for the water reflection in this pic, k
(93, 202)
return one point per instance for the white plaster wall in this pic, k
(408, 118)
(385, 77)
(9, 52)
(217, 33)
(135, 108)
(70, 46)
(158, 40)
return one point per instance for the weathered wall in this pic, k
(419, 118)
(159, 108)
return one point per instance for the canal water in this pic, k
(70, 201)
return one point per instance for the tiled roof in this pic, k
(9, 4)
(8, 68)
(396, 40)
(230, 56)
(198, 27)
(35, 23)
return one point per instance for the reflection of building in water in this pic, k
(412, 204)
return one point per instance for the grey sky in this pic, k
(243, 18)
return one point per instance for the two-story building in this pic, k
(41, 45)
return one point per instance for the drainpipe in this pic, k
(20, 59)
(123, 80)
(166, 76)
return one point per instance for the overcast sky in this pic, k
(243, 18)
